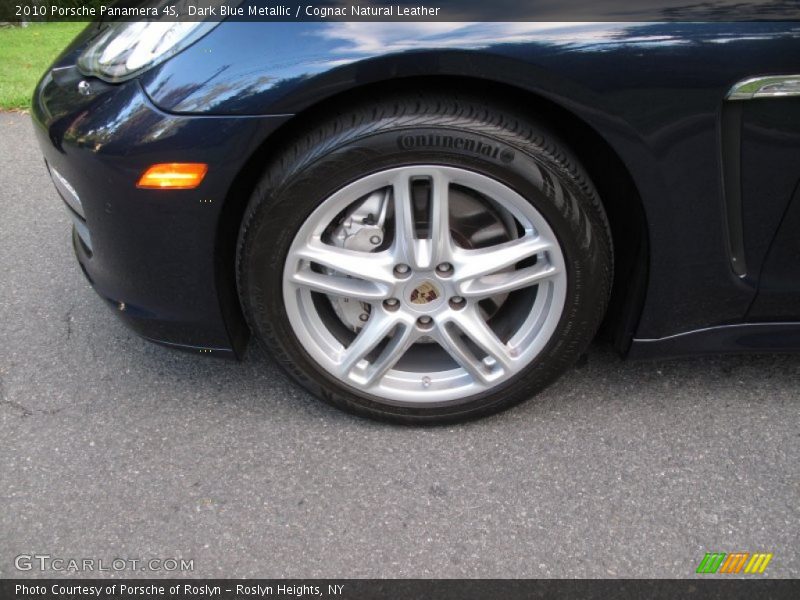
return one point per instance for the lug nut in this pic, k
(444, 269)
(391, 304)
(457, 302)
(424, 322)
(375, 240)
(363, 317)
(402, 269)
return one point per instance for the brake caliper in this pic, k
(362, 229)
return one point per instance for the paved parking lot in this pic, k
(113, 447)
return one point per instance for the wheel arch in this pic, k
(615, 184)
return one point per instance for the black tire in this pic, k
(374, 136)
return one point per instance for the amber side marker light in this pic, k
(173, 176)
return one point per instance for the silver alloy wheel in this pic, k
(392, 356)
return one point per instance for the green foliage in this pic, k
(25, 54)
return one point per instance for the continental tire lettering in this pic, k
(471, 145)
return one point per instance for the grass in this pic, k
(25, 53)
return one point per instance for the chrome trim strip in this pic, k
(771, 86)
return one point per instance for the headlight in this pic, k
(124, 50)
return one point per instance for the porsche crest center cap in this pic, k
(424, 293)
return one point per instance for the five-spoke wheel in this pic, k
(423, 286)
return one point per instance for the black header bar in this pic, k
(400, 10)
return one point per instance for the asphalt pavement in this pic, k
(112, 447)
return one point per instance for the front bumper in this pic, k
(160, 258)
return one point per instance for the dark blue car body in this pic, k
(702, 192)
